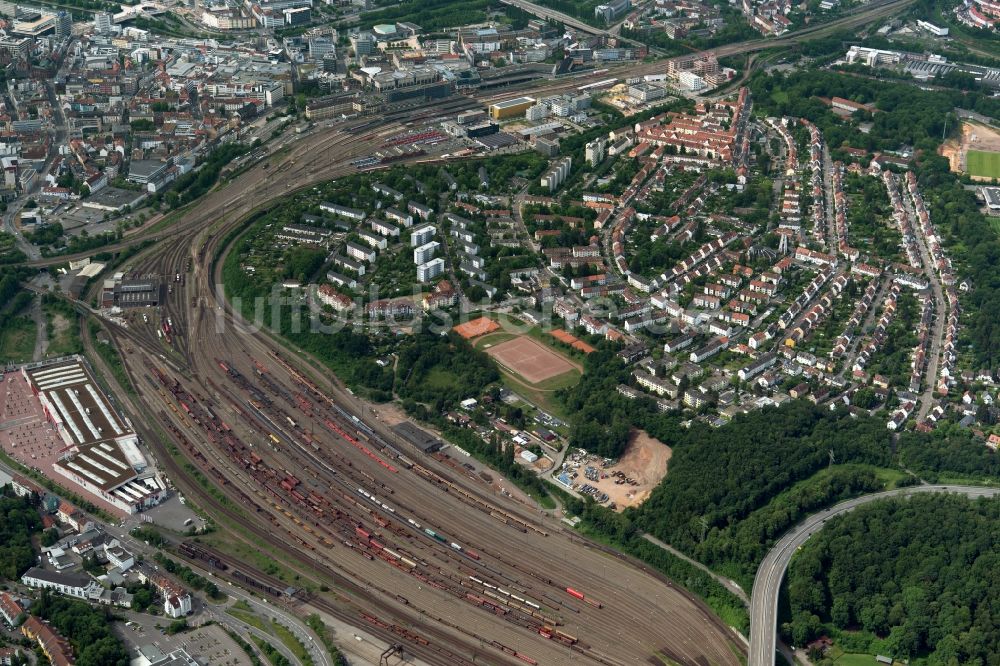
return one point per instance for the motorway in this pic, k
(569, 21)
(767, 583)
(555, 15)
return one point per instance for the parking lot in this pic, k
(208, 644)
(173, 514)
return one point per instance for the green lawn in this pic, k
(17, 340)
(565, 380)
(542, 395)
(995, 224)
(981, 163)
(248, 617)
(292, 643)
(441, 379)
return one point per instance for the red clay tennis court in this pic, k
(572, 341)
(476, 327)
(529, 359)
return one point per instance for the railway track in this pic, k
(363, 521)
(437, 600)
(338, 470)
(253, 535)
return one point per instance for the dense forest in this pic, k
(949, 451)
(601, 416)
(87, 627)
(732, 491)
(911, 578)
(737, 549)
(19, 523)
(442, 371)
(719, 477)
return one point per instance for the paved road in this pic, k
(940, 307)
(555, 15)
(874, 311)
(727, 583)
(266, 610)
(764, 600)
(571, 22)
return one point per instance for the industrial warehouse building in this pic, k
(102, 451)
(423, 440)
(146, 292)
(510, 108)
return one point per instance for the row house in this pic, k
(385, 228)
(711, 349)
(420, 210)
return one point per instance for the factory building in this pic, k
(102, 451)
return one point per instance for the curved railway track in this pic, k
(439, 603)
(511, 602)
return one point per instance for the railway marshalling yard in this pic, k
(270, 448)
(413, 550)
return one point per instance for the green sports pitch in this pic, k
(982, 163)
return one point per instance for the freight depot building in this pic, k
(102, 451)
(122, 293)
(421, 439)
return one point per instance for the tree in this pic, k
(142, 599)
(177, 626)
(88, 628)
(865, 398)
(914, 572)
(20, 522)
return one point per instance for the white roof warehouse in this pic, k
(102, 450)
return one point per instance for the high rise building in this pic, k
(64, 24)
(103, 23)
(363, 44)
(594, 151)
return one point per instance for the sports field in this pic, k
(529, 359)
(476, 327)
(983, 164)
